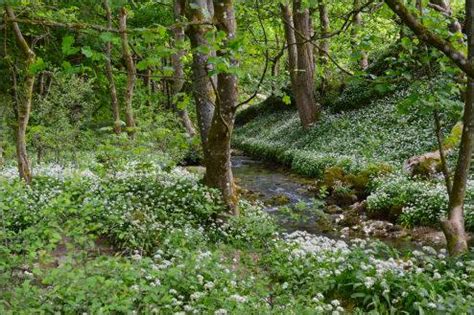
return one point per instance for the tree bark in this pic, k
(453, 226)
(198, 11)
(356, 25)
(442, 152)
(25, 95)
(110, 75)
(300, 62)
(218, 166)
(324, 44)
(131, 75)
(178, 75)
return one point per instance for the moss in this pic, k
(334, 175)
(279, 200)
(427, 167)
(454, 137)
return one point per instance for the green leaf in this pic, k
(106, 37)
(67, 46)
(286, 99)
(87, 51)
(37, 66)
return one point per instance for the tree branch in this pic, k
(427, 36)
(262, 77)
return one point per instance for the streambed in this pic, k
(297, 205)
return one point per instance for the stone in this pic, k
(333, 209)
(359, 207)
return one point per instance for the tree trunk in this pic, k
(3, 113)
(453, 227)
(110, 76)
(300, 62)
(178, 75)
(218, 166)
(131, 75)
(324, 44)
(444, 7)
(25, 95)
(201, 84)
(356, 25)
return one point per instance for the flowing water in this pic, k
(266, 181)
(269, 182)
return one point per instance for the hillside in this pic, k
(359, 151)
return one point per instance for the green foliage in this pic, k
(375, 134)
(414, 202)
(327, 275)
(172, 253)
(357, 94)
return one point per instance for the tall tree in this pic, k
(131, 74)
(356, 26)
(199, 15)
(178, 75)
(24, 98)
(218, 166)
(110, 74)
(300, 58)
(453, 225)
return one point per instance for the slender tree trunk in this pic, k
(444, 7)
(3, 113)
(178, 76)
(25, 95)
(453, 227)
(131, 75)
(324, 44)
(275, 69)
(419, 6)
(41, 84)
(147, 85)
(218, 166)
(110, 74)
(356, 26)
(198, 11)
(300, 62)
(442, 153)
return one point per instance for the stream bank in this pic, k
(297, 204)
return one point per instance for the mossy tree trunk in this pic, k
(24, 97)
(178, 75)
(356, 26)
(199, 13)
(110, 75)
(300, 58)
(131, 75)
(218, 166)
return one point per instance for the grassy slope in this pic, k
(355, 140)
(375, 133)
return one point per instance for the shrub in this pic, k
(414, 202)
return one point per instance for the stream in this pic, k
(292, 200)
